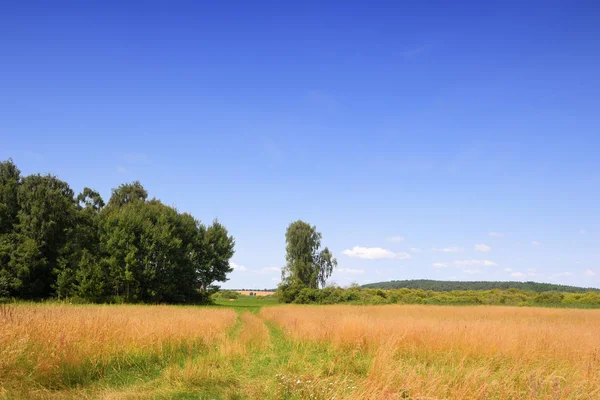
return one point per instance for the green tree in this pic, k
(46, 218)
(10, 180)
(215, 248)
(307, 265)
(127, 193)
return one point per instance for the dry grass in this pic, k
(298, 352)
(459, 352)
(53, 345)
(258, 294)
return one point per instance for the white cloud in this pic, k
(450, 249)
(375, 253)
(266, 270)
(415, 250)
(351, 271)
(271, 269)
(507, 269)
(483, 263)
(237, 267)
(482, 248)
(518, 275)
(395, 239)
(472, 271)
(589, 272)
(496, 234)
(440, 265)
(121, 170)
(534, 243)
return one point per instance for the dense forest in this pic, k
(55, 244)
(447, 286)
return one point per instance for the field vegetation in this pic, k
(364, 296)
(249, 347)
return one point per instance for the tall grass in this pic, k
(298, 352)
(458, 353)
(54, 346)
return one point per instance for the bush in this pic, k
(300, 294)
(226, 294)
(549, 298)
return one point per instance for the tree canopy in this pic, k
(54, 243)
(307, 265)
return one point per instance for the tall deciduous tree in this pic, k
(45, 220)
(10, 179)
(307, 265)
(217, 248)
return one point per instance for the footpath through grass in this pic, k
(253, 359)
(250, 348)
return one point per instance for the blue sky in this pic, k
(434, 140)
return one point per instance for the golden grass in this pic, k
(298, 352)
(459, 352)
(257, 294)
(51, 343)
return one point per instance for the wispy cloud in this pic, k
(440, 265)
(415, 250)
(266, 270)
(395, 238)
(517, 274)
(496, 234)
(121, 170)
(507, 269)
(589, 272)
(534, 243)
(375, 253)
(260, 271)
(237, 267)
(451, 249)
(482, 248)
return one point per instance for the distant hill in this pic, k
(446, 286)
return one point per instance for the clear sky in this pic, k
(437, 140)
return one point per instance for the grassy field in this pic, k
(251, 349)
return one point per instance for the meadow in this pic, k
(252, 348)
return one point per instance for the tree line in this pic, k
(446, 286)
(55, 244)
